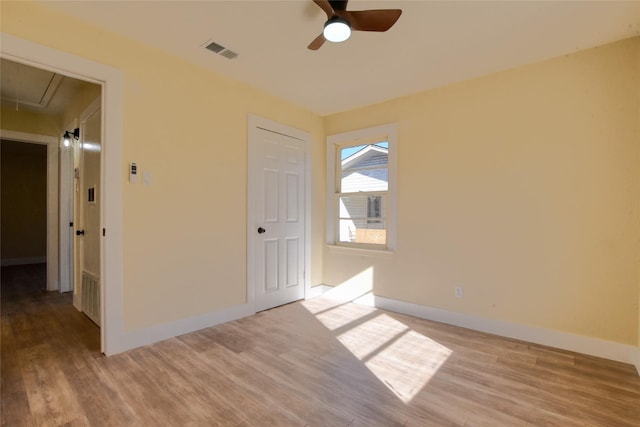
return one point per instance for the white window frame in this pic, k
(388, 133)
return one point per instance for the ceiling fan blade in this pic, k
(372, 20)
(316, 43)
(326, 6)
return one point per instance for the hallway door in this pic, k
(88, 233)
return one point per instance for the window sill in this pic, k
(346, 250)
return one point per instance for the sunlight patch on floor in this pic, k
(407, 364)
(337, 317)
(401, 358)
(365, 339)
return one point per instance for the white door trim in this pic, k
(66, 192)
(255, 123)
(52, 197)
(112, 81)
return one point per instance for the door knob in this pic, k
(261, 230)
(79, 232)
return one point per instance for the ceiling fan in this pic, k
(340, 21)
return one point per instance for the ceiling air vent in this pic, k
(220, 50)
(214, 47)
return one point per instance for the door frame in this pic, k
(254, 181)
(51, 142)
(112, 334)
(66, 191)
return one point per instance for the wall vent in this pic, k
(90, 300)
(220, 50)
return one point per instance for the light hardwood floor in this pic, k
(313, 363)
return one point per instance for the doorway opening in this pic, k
(113, 338)
(41, 188)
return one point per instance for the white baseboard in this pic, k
(23, 261)
(548, 337)
(156, 333)
(153, 334)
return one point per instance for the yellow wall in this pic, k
(184, 236)
(28, 121)
(523, 187)
(24, 200)
(79, 104)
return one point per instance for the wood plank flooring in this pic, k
(313, 363)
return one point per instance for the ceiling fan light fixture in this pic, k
(337, 29)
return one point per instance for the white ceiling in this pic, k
(432, 44)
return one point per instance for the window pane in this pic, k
(364, 168)
(363, 206)
(354, 149)
(363, 219)
(363, 231)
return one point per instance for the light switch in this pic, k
(146, 178)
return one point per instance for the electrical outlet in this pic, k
(459, 292)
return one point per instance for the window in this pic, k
(364, 184)
(361, 174)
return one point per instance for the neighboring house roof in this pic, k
(366, 170)
(370, 155)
